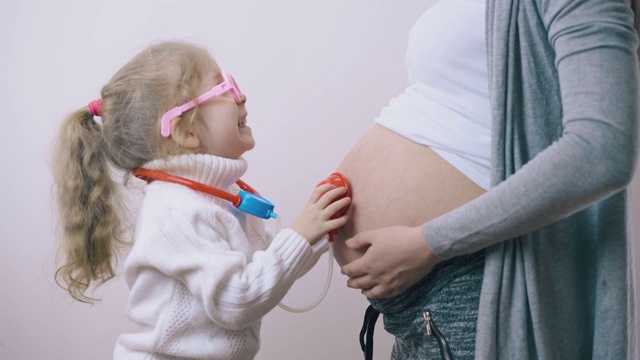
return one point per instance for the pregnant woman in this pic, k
(488, 214)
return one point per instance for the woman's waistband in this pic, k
(426, 288)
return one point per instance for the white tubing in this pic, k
(324, 291)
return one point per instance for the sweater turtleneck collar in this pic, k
(211, 170)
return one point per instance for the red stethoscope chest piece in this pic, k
(338, 180)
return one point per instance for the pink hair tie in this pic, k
(95, 107)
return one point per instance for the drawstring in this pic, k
(368, 325)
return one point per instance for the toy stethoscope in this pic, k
(250, 201)
(247, 200)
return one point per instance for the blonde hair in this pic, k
(160, 77)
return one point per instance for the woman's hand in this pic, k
(316, 221)
(396, 257)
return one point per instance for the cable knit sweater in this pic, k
(202, 274)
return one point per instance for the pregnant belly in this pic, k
(395, 181)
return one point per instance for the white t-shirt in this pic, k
(446, 105)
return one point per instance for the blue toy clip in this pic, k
(256, 205)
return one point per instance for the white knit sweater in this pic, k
(203, 274)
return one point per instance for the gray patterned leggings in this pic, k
(437, 317)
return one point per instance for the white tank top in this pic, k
(446, 105)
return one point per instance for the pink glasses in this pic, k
(229, 84)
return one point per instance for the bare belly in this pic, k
(395, 181)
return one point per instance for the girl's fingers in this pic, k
(331, 195)
(337, 223)
(337, 205)
(319, 192)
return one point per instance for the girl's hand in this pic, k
(315, 221)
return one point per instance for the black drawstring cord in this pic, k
(368, 325)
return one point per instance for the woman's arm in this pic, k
(595, 57)
(594, 46)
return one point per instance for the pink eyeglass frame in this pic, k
(229, 84)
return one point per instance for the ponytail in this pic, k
(92, 224)
(87, 204)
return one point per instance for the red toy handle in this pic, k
(338, 180)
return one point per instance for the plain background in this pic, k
(316, 74)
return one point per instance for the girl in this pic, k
(202, 273)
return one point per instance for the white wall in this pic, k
(316, 74)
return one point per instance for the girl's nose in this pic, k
(243, 98)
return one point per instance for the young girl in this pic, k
(202, 273)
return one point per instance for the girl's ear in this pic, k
(187, 139)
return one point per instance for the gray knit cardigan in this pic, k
(563, 76)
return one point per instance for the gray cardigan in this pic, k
(558, 273)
